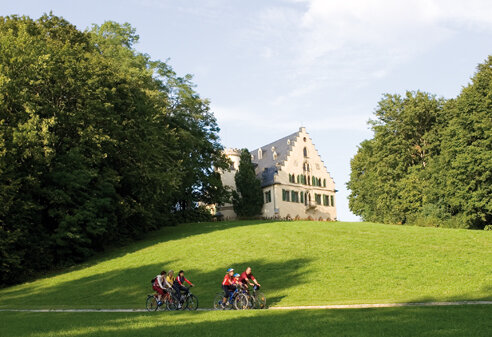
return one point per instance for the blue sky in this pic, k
(269, 67)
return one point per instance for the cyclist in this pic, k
(245, 278)
(227, 285)
(179, 286)
(236, 282)
(160, 286)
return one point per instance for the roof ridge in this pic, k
(276, 141)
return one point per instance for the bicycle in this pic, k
(187, 302)
(238, 300)
(151, 304)
(258, 299)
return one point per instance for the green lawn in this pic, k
(298, 263)
(424, 321)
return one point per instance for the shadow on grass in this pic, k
(422, 321)
(128, 288)
(149, 239)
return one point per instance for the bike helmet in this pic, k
(236, 275)
(230, 269)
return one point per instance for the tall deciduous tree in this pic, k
(98, 143)
(387, 178)
(462, 179)
(430, 161)
(247, 199)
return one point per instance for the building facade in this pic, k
(295, 181)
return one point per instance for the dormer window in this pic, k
(260, 154)
(288, 141)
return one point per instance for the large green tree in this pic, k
(388, 172)
(462, 177)
(247, 199)
(429, 161)
(98, 143)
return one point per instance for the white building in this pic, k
(295, 181)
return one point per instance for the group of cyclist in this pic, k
(167, 283)
(233, 281)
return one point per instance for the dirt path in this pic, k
(302, 307)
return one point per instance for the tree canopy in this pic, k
(98, 143)
(430, 160)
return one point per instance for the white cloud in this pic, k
(318, 46)
(383, 32)
(365, 38)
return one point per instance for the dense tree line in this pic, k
(430, 160)
(98, 143)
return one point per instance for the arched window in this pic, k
(305, 151)
(260, 154)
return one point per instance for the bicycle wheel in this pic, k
(259, 300)
(171, 303)
(191, 303)
(151, 303)
(241, 302)
(218, 304)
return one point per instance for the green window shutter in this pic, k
(324, 182)
(302, 196)
(332, 200)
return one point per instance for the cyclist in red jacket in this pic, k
(245, 278)
(227, 284)
(179, 286)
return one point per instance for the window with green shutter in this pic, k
(285, 195)
(326, 202)
(295, 196)
(332, 200)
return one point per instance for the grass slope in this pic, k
(298, 263)
(428, 321)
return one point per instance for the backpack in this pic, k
(152, 281)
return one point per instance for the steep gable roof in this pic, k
(267, 166)
(281, 148)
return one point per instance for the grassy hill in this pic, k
(297, 263)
